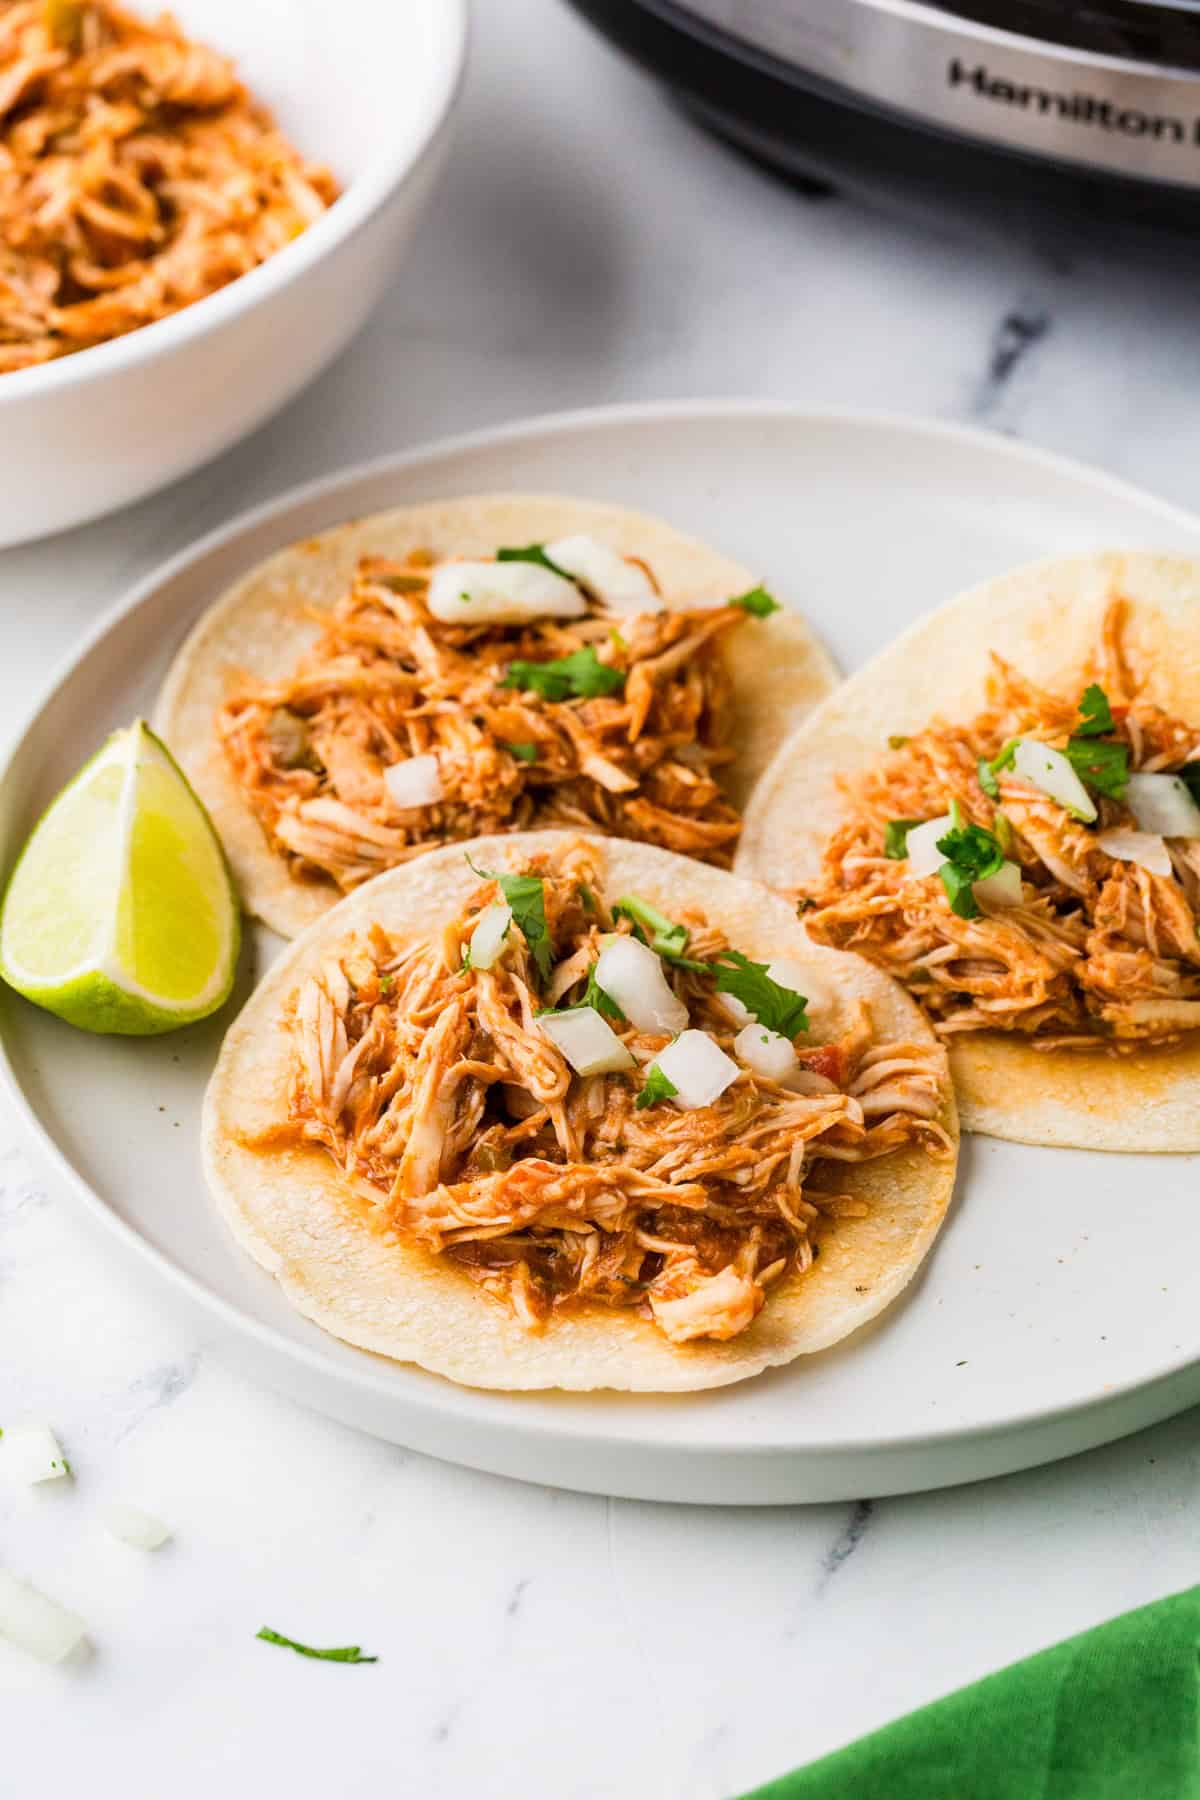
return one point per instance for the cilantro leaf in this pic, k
(987, 778)
(895, 838)
(898, 740)
(580, 675)
(349, 1653)
(666, 937)
(1006, 758)
(526, 895)
(1100, 764)
(971, 854)
(526, 753)
(1190, 777)
(595, 997)
(656, 1087)
(757, 601)
(778, 1008)
(1095, 714)
(532, 553)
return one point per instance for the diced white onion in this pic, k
(1051, 771)
(768, 1053)
(35, 1623)
(131, 1525)
(32, 1453)
(588, 1042)
(1142, 847)
(491, 929)
(924, 857)
(1001, 889)
(606, 575)
(501, 593)
(698, 1068)
(1163, 804)
(632, 975)
(786, 973)
(416, 782)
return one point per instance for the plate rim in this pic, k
(467, 1402)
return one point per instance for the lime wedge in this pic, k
(120, 915)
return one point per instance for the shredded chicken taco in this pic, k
(1003, 812)
(503, 1114)
(445, 671)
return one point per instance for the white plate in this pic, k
(1061, 1306)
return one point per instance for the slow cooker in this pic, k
(1083, 94)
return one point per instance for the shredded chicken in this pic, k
(462, 1127)
(1100, 953)
(137, 175)
(386, 681)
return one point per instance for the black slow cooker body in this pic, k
(825, 134)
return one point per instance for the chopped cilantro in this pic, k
(971, 854)
(349, 1653)
(586, 897)
(1095, 714)
(805, 904)
(531, 553)
(897, 741)
(1002, 826)
(527, 753)
(666, 937)
(617, 641)
(465, 964)
(778, 1008)
(1100, 764)
(987, 778)
(895, 838)
(595, 997)
(526, 895)
(758, 602)
(581, 675)
(1006, 757)
(386, 984)
(656, 1087)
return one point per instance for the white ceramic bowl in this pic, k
(366, 86)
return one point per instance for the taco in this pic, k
(1003, 812)
(490, 664)
(503, 1114)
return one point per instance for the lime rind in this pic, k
(98, 993)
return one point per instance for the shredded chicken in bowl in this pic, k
(1061, 900)
(434, 1074)
(137, 175)
(618, 722)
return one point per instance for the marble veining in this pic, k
(589, 244)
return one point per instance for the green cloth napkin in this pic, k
(1113, 1714)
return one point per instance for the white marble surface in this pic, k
(588, 245)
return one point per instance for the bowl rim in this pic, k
(447, 23)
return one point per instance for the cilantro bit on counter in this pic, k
(348, 1653)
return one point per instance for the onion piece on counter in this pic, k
(588, 1042)
(415, 782)
(605, 574)
(924, 857)
(32, 1453)
(1163, 804)
(501, 593)
(130, 1525)
(631, 974)
(491, 929)
(698, 1069)
(768, 1053)
(1001, 889)
(35, 1623)
(1145, 848)
(1051, 771)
